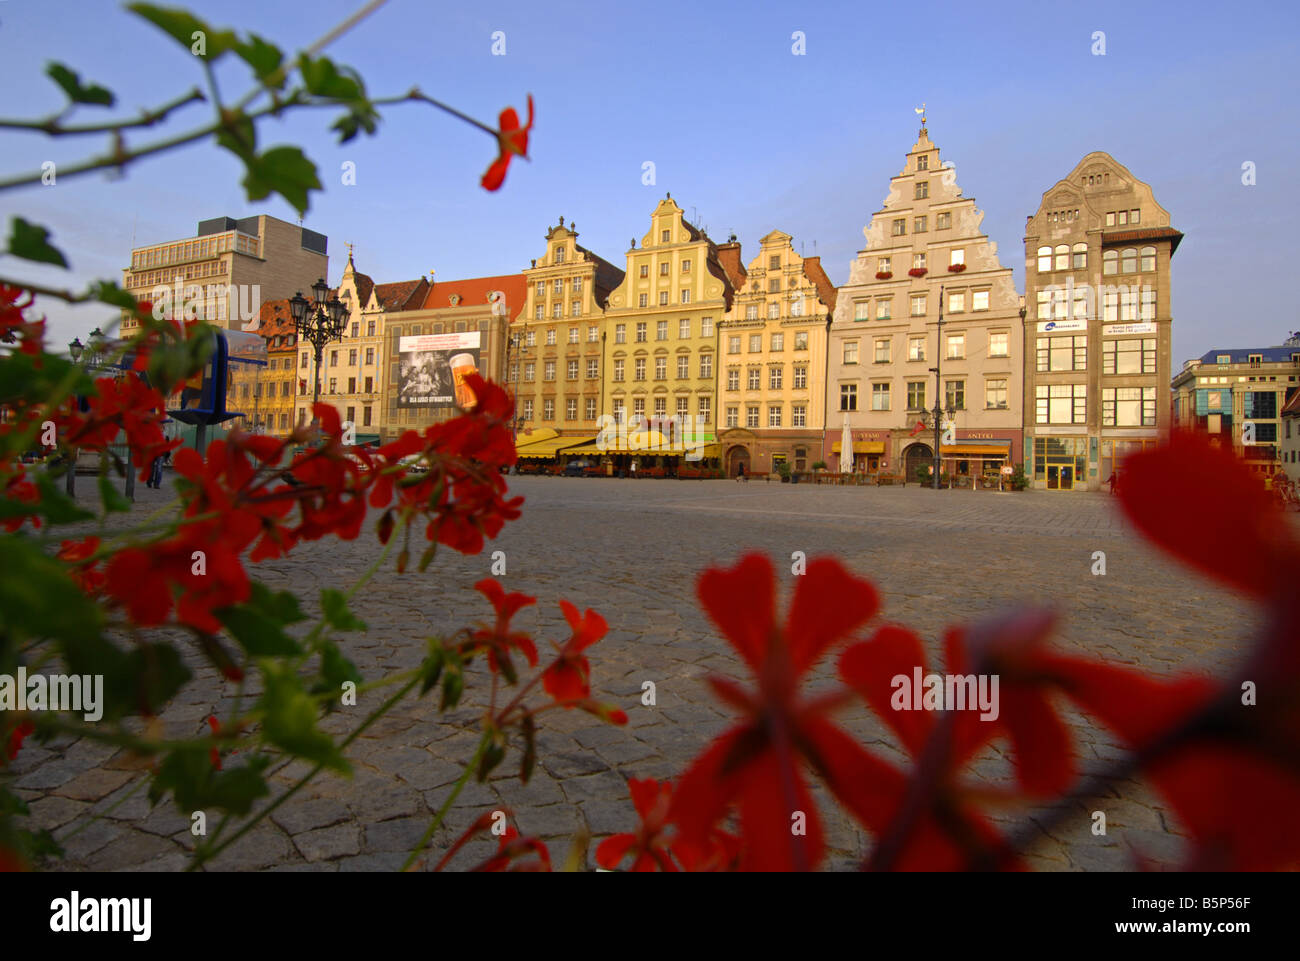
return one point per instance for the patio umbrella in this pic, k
(846, 447)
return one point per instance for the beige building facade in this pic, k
(926, 259)
(771, 377)
(1097, 341)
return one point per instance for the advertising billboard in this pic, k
(432, 369)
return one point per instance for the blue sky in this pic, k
(747, 136)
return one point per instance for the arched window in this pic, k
(1062, 257)
(1148, 258)
(1044, 259)
(1080, 256)
(1110, 262)
(1129, 261)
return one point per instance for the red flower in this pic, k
(511, 139)
(499, 639)
(648, 844)
(511, 848)
(214, 754)
(85, 572)
(755, 763)
(16, 738)
(568, 679)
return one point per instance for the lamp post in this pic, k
(515, 346)
(938, 384)
(318, 322)
(92, 352)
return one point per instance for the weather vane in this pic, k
(921, 110)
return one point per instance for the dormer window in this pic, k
(559, 255)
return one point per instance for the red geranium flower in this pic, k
(511, 139)
(16, 738)
(499, 639)
(568, 679)
(755, 764)
(648, 844)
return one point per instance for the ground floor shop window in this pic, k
(1060, 462)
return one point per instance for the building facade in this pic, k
(556, 364)
(455, 326)
(771, 377)
(266, 396)
(661, 345)
(227, 270)
(925, 258)
(1238, 395)
(1097, 344)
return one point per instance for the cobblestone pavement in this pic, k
(632, 549)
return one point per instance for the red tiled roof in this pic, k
(813, 270)
(473, 292)
(729, 258)
(1143, 233)
(403, 295)
(275, 320)
(364, 286)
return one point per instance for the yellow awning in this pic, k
(544, 449)
(537, 436)
(862, 447)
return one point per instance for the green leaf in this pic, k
(289, 718)
(71, 84)
(183, 25)
(361, 116)
(453, 681)
(107, 292)
(265, 59)
(31, 242)
(431, 669)
(427, 557)
(56, 506)
(38, 598)
(335, 608)
(323, 79)
(283, 170)
(198, 786)
(239, 136)
(258, 623)
(114, 501)
(151, 675)
(493, 754)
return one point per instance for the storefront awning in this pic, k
(523, 440)
(974, 450)
(862, 447)
(545, 449)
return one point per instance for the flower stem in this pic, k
(446, 805)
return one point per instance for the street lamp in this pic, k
(318, 323)
(75, 349)
(938, 384)
(515, 343)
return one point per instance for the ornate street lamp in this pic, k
(75, 349)
(938, 385)
(515, 344)
(318, 322)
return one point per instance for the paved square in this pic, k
(632, 549)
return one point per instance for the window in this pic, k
(593, 368)
(332, 388)
(775, 376)
(922, 189)
(370, 328)
(529, 371)
(683, 366)
(1128, 303)
(800, 377)
(956, 347)
(686, 296)
(918, 261)
(1128, 356)
(848, 396)
(1062, 259)
(571, 370)
(1062, 404)
(1044, 259)
(918, 305)
(733, 416)
(559, 286)
(1134, 216)
(957, 302)
(801, 340)
(1129, 261)
(663, 298)
(755, 343)
(665, 237)
(686, 266)
(1147, 308)
(778, 343)
(528, 410)
(1110, 262)
(705, 408)
(548, 409)
(356, 329)
(995, 394)
(916, 348)
(918, 227)
(883, 308)
(1128, 406)
(916, 395)
(370, 355)
(899, 227)
(957, 256)
(576, 284)
(684, 329)
(620, 412)
(1121, 218)
(774, 415)
(1062, 353)
(557, 310)
(352, 387)
(954, 394)
(1148, 257)
(850, 352)
(683, 408)
(796, 305)
(334, 358)
(661, 407)
(590, 408)
(559, 255)
(923, 162)
(550, 337)
(754, 378)
(733, 378)
(645, 270)
(532, 338)
(541, 288)
(641, 332)
(638, 369)
(942, 221)
(999, 344)
(862, 310)
(979, 300)
(733, 344)
(1079, 256)
(706, 365)
(304, 361)
(620, 333)
(880, 397)
(882, 265)
(798, 416)
(882, 350)
(706, 326)
(751, 416)
(548, 370)
(663, 269)
(661, 330)
(773, 310)
(571, 409)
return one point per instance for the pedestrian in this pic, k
(740, 472)
(634, 468)
(1113, 481)
(155, 473)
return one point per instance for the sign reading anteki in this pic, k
(432, 369)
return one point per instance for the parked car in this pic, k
(578, 467)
